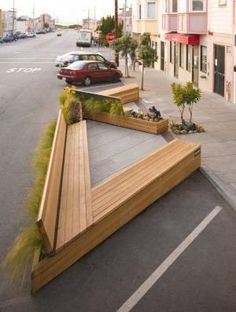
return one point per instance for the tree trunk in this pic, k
(126, 66)
(142, 78)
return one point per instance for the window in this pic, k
(203, 64)
(174, 5)
(197, 5)
(151, 7)
(222, 2)
(100, 58)
(140, 11)
(165, 6)
(92, 66)
(92, 57)
(171, 52)
(181, 55)
(102, 66)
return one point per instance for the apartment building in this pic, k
(196, 42)
(125, 17)
(9, 22)
(1, 23)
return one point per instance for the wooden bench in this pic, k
(127, 93)
(65, 208)
(115, 201)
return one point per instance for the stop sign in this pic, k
(110, 37)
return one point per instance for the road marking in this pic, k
(24, 70)
(154, 277)
(27, 58)
(29, 62)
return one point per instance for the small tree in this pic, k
(126, 46)
(108, 26)
(185, 95)
(192, 95)
(179, 99)
(146, 54)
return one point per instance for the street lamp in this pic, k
(116, 30)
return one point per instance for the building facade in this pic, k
(195, 41)
(9, 22)
(1, 23)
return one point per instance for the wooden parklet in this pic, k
(155, 127)
(74, 218)
(127, 93)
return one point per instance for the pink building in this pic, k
(196, 42)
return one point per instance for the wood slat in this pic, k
(127, 93)
(122, 189)
(132, 123)
(47, 216)
(75, 213)
(50, 267)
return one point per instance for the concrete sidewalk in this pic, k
(213, 113)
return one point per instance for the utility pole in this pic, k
(116, 31)
(13, 17)
(125, 17)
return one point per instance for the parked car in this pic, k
(9, 38)
(88, 72)
(73, 56)
(30, 35)
(1, 40)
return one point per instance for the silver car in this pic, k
(73, 56)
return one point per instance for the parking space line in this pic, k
(163, 267)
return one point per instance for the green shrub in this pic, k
(20, 254)
(70, 106)
(117, 110)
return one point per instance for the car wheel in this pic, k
(68, 82)
(87, 81)
(115, 78)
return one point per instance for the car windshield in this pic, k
(77, 65)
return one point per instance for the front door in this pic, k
(162, 55)
(176, 59)
(195, 65)
(219, 69)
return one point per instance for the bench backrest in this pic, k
(127, 93)
(47, 217)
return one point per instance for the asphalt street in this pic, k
(177, 256)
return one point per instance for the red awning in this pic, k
(185, 39)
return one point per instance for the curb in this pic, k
(226, 191)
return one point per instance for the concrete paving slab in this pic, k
(217, 116)
(113, 148)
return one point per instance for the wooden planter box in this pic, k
(131, 123)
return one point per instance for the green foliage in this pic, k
(127, 46)
(146, 53)
(117, 110)
(185, 95)
(21, 254)
(70, 106)
(29, 240)
(108, 26)
(95, 105)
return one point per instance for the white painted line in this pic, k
(154, 277)
(27, 58)
(29, 62)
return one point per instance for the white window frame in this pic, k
(191, 6)
(153, 3)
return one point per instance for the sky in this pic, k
(65, 12)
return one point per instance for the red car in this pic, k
(88, 72)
